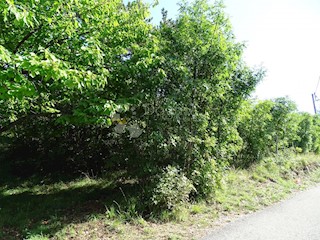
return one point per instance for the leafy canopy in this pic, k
(78, 60)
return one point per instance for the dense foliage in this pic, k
(93, 87)
(266, 127)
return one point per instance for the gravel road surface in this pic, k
(297, 218)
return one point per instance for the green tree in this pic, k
(99, 82)
(205, 83)
(305, 132)
(70, 72)
(78, 61)
(255, 131)
(266, 127)
(316, 134)
(282, 122)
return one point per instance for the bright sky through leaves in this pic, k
(281, 35)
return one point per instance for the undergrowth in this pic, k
(96, 209)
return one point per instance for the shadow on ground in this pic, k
(25, 213)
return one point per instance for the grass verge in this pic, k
(86, 208)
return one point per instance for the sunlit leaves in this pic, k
(61, 54)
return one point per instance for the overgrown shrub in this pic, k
(172, 189)
(206, 176)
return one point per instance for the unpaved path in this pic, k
(297, 218)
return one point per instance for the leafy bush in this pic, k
(206, 177)
(172, 189)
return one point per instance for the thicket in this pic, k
(93, 87)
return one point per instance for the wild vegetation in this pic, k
(152, 115)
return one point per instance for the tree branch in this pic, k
(12, 124)
(25, 38)
(62, 40)
(22, 119)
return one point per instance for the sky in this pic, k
(283, 36)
